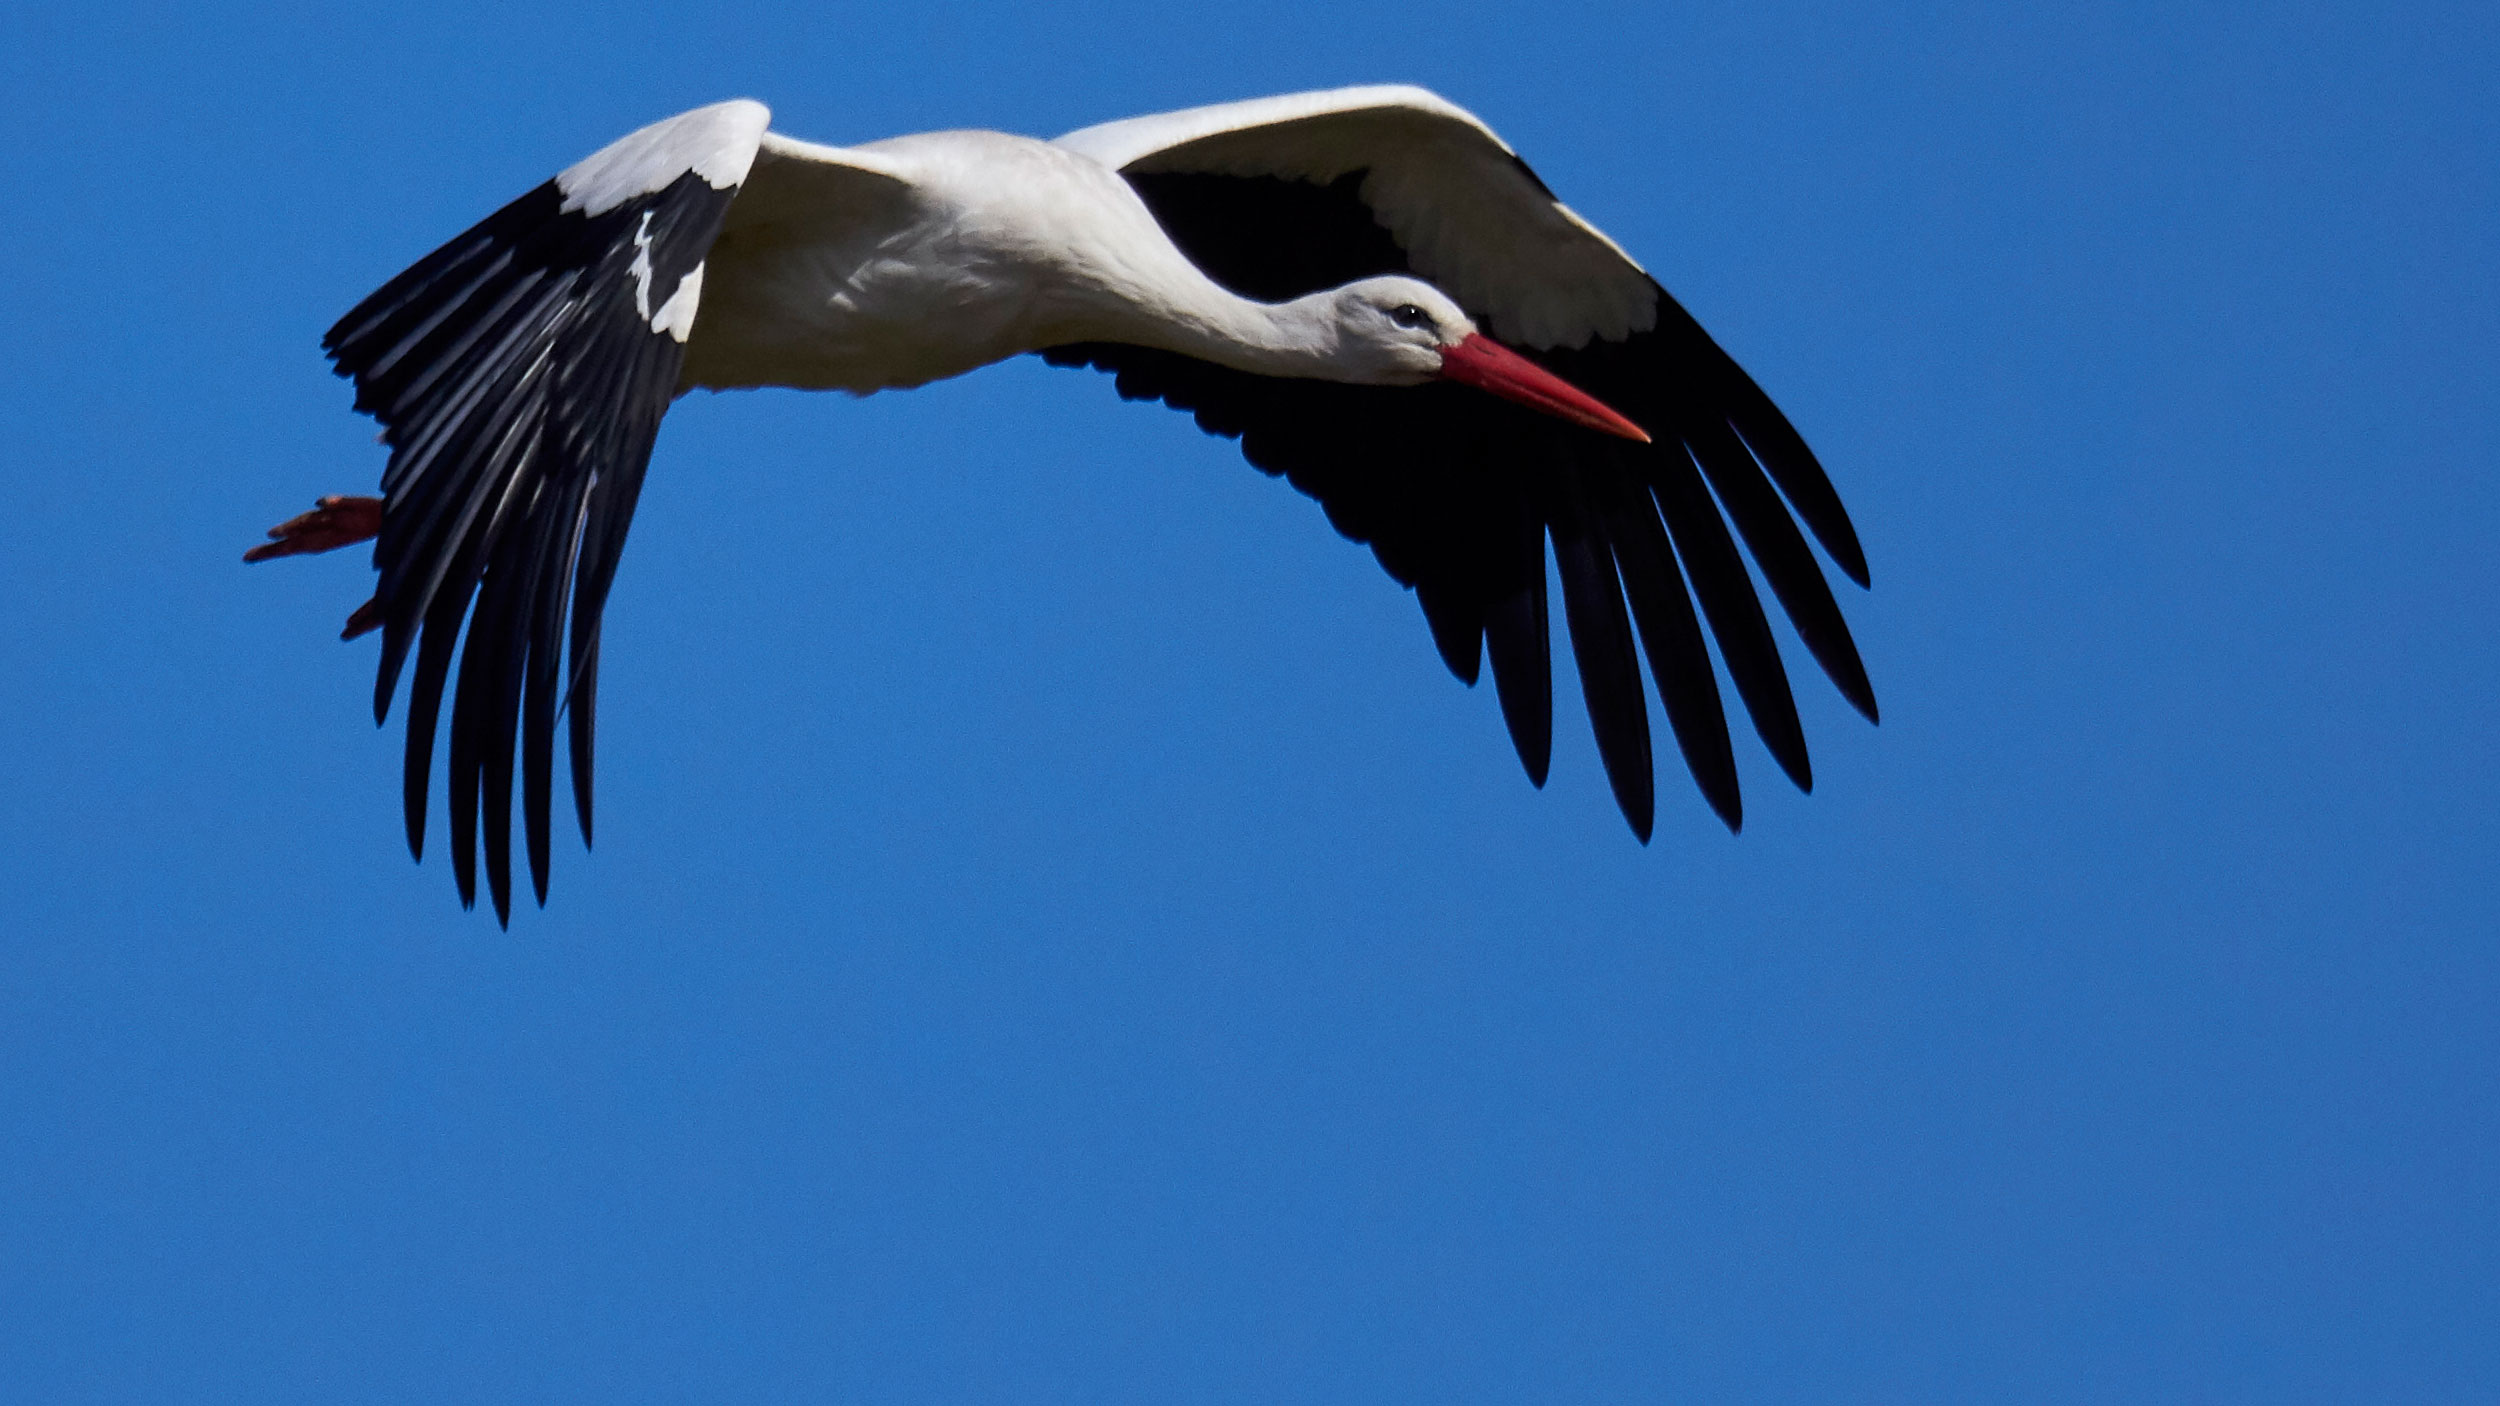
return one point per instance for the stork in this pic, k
(1365, 286)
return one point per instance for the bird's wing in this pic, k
(806, 217)
(520, 373)
(1473, 220)
(1458, 493)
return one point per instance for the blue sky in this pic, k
(1058, 934)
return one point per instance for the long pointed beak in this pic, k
(1486, 364)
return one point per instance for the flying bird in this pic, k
(1365, 286)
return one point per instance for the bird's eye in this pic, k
(1409, 315)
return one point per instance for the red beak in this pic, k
(1486, 364)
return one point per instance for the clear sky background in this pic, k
(1058, 934)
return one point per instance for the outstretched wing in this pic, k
(1458, 493)
(520, 373)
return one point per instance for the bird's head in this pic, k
(1405, 332)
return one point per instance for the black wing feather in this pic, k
(1792, 465)
(520, 384)
(1678, 658)
(1269, 238)
(1786, 562)
(1729, 604)
(1601, 640)
(1523, 672)
(1457, 627)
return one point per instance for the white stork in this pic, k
(1338, 279)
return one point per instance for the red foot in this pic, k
(336, 521)
(339, 520)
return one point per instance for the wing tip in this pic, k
(1538, 765)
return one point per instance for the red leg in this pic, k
(336, 521)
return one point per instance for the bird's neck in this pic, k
(1296, 338)
(1157, 298)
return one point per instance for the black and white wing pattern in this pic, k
(1458, 493)
(520, 373)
